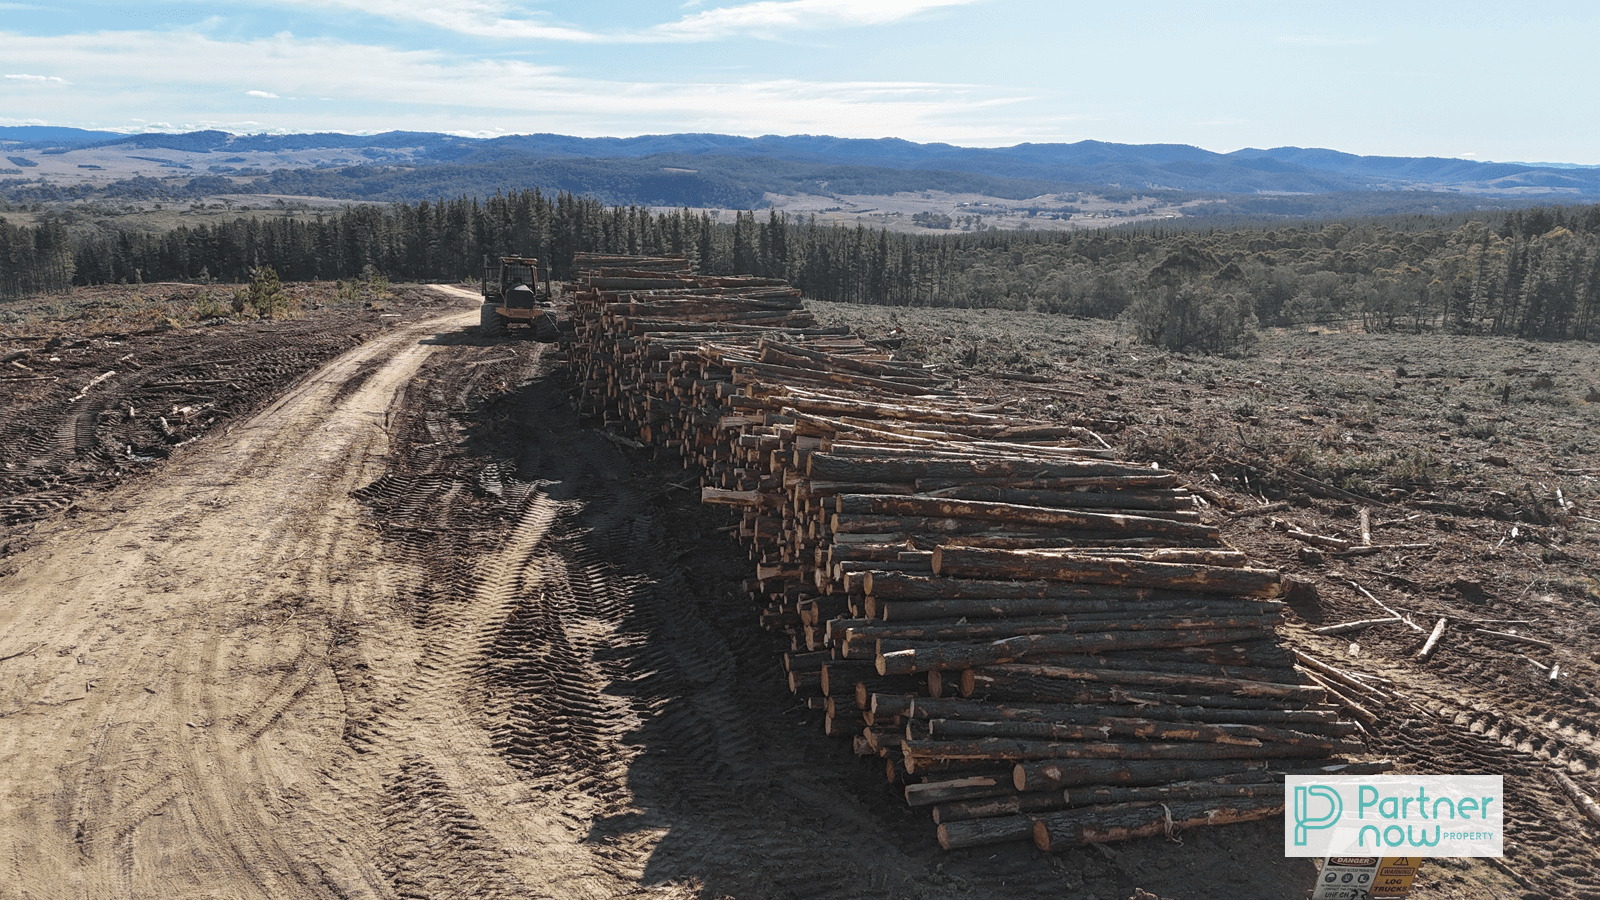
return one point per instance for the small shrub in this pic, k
(1186, 317)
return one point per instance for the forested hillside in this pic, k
(1533, 273)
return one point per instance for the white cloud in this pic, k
(196, 82)
(38, 79)
(773, 17)
(265, 95)
(766, 18)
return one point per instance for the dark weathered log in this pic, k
(981, 710)
(931, 610)
(1011, 804)
(1101, 729)
(991, 629)
(1188, 683)
(942, 508)
(1033, 689)
(981, 832)
(964, 656)
(1054, 774)
(1262, 784)
(904, 685)
(1010, 749)
(1055, 832)
(900, 586)
(993, 783)
(972, 562)
(839, 677)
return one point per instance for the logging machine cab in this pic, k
(511, 293)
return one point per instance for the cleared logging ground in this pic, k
(619, 725)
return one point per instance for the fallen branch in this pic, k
(86, 388)
(1340, 675)
(1381, 605)
(1433, 641)
(1570, 788)
(1379, 548)
(1517, 638)
(1359, 625)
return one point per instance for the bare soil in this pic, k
(387, 620)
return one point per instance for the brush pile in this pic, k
(1039, 640)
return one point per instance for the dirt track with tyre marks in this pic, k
(416, 631)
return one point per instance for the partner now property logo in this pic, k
(1393, 815)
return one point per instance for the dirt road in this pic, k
(174, 724)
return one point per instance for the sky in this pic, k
(1474, 80)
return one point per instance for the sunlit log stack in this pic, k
(1039, 640)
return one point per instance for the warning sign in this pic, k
(1366, 877)
(1395, 874)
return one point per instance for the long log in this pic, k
(979, 710)
(1261, 784)
(1010, 804)
(1101, 729)
(1187, 682)
(990, 629)
(972, 562)
(1032, 689)
(1016, 750)
(938, 507)
(932, 610)
(964, 656)
(1148, 499)
(1055, 832)
(839, 468)
(892, 585)
(1056, 774)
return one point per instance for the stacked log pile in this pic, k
(1039, 640)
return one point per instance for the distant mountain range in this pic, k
(723, 170)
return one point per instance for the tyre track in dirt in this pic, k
(1471, 711)
(175, 717)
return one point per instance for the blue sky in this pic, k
(1468, 79)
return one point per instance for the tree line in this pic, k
(1532, 273)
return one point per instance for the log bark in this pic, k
(932, 610)
(1150, 499)
(1266, 788)
(938, 507)
(1056, 774)
(1056, 832)
(964, 656)
(979, 710)
(899, 586)
(1188, 683)
(839, 468)
(982, 832)
(992, 629)
(971, 562)
(1103, 728)
(989, 784)
(1015, 750)
(1010, 804)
